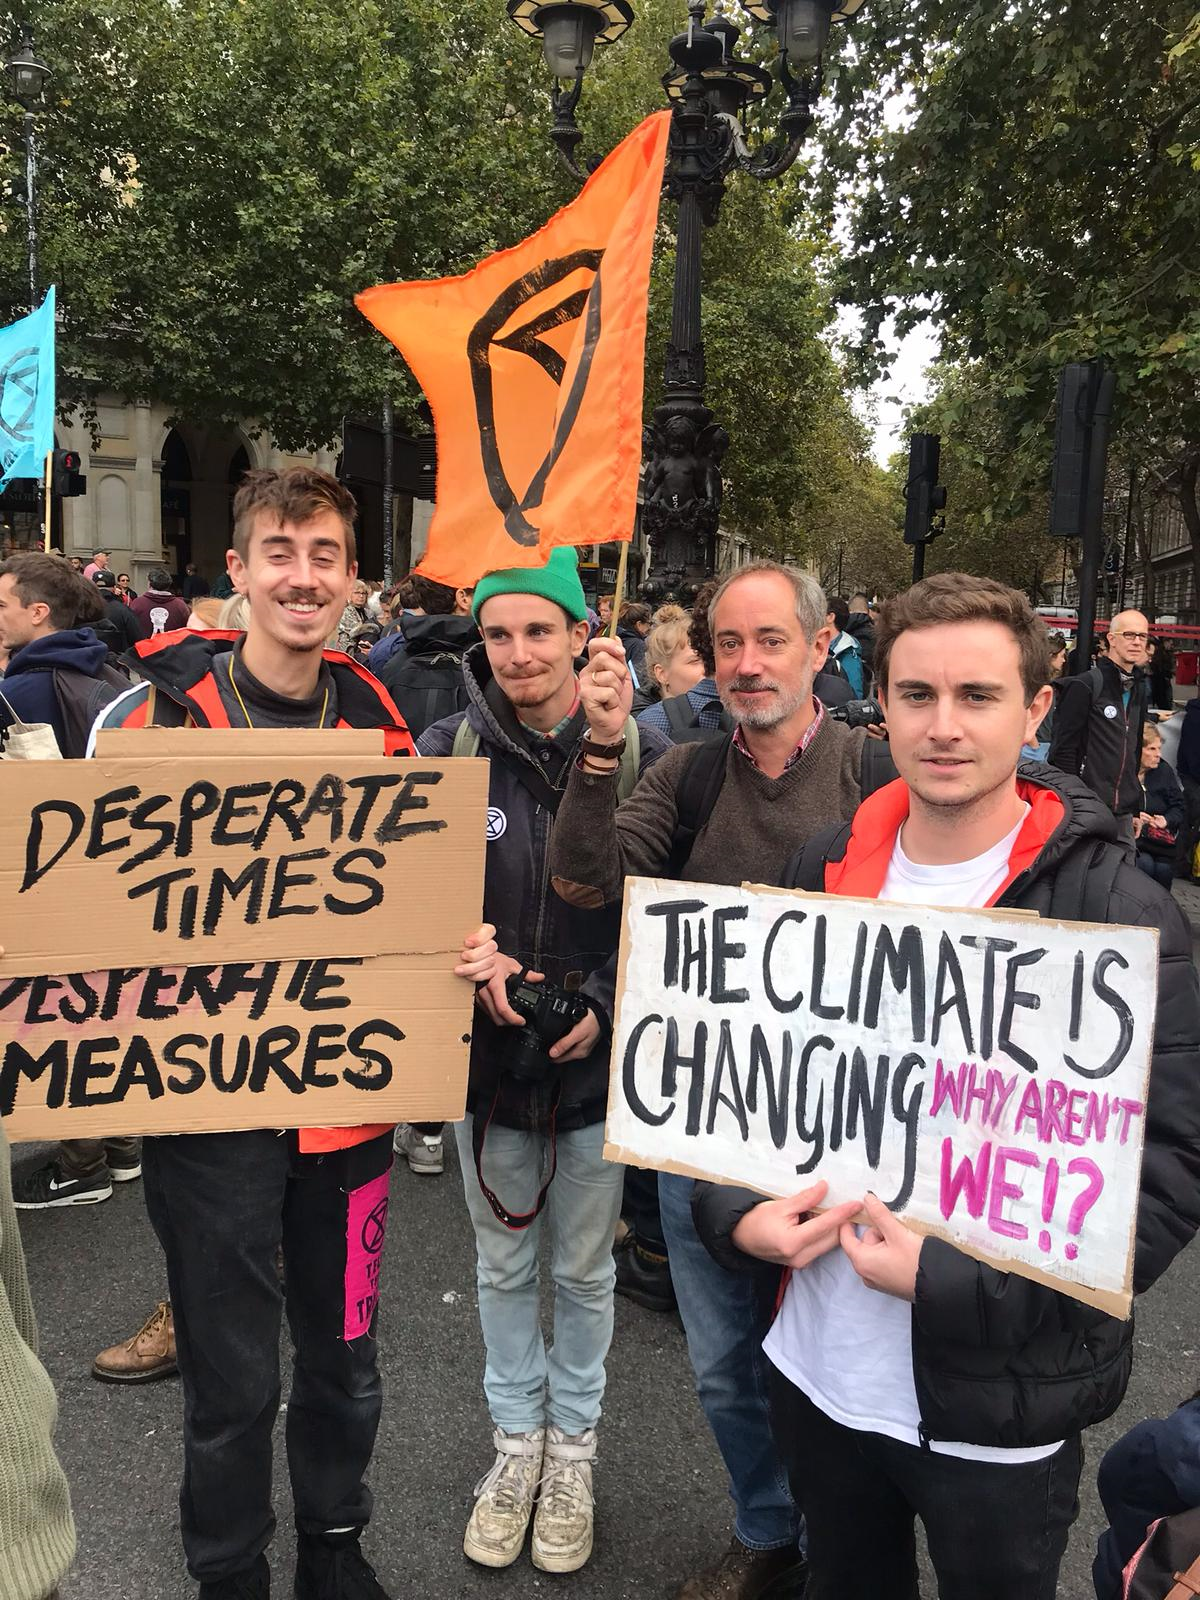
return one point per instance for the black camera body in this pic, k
(858, 714)
(550, 1013)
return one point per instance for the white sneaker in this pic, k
(562, 1528)
(495, 1534)
(423, 1153)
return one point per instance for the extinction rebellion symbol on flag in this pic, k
(528, 340)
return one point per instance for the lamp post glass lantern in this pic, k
(27, 77)
(709, 90)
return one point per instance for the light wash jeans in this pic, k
(726, 1316)
(527, 1387)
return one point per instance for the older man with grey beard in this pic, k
(726, 811)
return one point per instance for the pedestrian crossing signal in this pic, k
(67, 479)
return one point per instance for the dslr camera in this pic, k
(550, 1013)
(858, 714)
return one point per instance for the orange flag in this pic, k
(532, 364)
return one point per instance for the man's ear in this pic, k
(821, 641)
(1039, 708)
(236, 569)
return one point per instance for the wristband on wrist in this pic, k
(598, 769)
(603, 752)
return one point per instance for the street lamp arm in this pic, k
(565, 131)
(776, 158)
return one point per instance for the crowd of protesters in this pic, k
(856, 1376)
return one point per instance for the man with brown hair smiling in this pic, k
(910, 1379)
(222, 1204)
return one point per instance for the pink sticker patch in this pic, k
(366, 1229)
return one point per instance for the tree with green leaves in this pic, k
(219, 179)
(1024, 172)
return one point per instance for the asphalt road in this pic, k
(662, 1505)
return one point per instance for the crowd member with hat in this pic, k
(120, 628)
(536, 1111)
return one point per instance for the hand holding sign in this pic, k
(477, 958)
(786, 1232)
(606, 690)
(887, 1255)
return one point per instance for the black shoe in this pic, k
(52, 1185)
(332, 1567)
(253, 1584)
(123, 1166)
(643, 1276)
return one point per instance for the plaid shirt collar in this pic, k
(559, 727)
(809, 735)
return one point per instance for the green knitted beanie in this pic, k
(558, 580)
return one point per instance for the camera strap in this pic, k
(515, 1220)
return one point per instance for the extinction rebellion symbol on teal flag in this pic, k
(27, 393)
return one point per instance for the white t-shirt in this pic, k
(848, 1347)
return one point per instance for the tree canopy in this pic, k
(220, 177)
(1024, 172)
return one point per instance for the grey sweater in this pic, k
(757, 824)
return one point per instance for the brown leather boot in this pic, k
(149, 1355)
(743, 1574)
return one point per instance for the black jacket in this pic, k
(1163, 797)
(635, 651)
(424, 675)
(862, 630)
(997, 1359)
(832, 688)
(1188, 761)
(1097, 739)
(120, 628)
(570, 945)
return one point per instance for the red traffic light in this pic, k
(68, 460)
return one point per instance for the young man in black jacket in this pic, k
(534, 1131)
(911, 1379)
(1098, 720)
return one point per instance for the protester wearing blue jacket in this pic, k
(41, 599)
(1154, 1471)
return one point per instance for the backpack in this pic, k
(81, 699)
(425, 687)
(683, 722)
(468, 743)
(1167, 1567)
(700, 785)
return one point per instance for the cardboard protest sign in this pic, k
(286, 930)
(984, 1075)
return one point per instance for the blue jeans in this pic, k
(527, 1387)
(726, 1316)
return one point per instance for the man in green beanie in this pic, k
(535, 1110)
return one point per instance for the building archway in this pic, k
(175, 490)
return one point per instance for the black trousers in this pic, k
(994, 1532)
(639, 1207)
(222, 1204)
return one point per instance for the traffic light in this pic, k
(66, 478)
(923, 494)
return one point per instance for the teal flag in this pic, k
(27, 394)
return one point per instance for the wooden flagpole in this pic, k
(47, 496)
(619, 596)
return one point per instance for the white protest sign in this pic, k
(985, 1075)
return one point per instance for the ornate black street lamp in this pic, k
(710, 90)
(27, 77)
